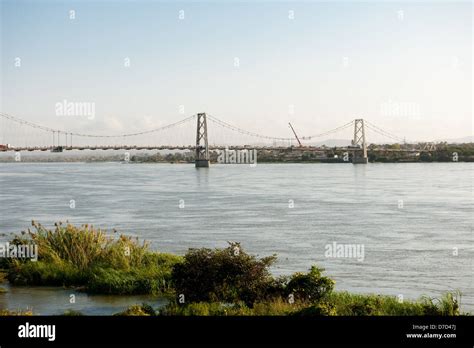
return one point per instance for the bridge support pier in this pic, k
(357, 159)
(202, 147)
(202, 163)
(359, 155)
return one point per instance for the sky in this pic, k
(404, 67)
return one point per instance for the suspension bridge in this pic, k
(19, 135)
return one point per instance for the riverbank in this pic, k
(225, 281)
(388, 153)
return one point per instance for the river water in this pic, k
(414, 221)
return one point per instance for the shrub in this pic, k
(276, 307)
(366, 306)
(222, 275)
(323, 308)
(138, 310)
(310, 286)
(72, 313)
(148, 309)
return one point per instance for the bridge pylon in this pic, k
(202, 146)
(359, 155)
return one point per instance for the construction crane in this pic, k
(297, 139)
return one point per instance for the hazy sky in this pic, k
(405, 67)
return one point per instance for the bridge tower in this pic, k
(202, 147)
(359, 155)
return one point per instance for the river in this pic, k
(414, 221)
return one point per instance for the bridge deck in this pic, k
(192, 148)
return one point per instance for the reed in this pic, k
(89, 258)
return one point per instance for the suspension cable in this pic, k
(381, 131)
(34, 125)
(329, 131)
(213, 119)
(243, 131)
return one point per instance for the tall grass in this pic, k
(347, 304)
(85, 247)
(336, 304)
(88, 257)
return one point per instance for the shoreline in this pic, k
(202, 282)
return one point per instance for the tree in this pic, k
(311, 286)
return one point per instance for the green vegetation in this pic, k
(310, 287)
(230, 275)
(345, 303)
(383, 153)
(230, 282)
(226, 281)
(3, 278)
(138, 310)
(9, 313)
(88, 258)
(443, 152)
(269, 308)
(177, 157)
(336, 304)
(225, 275)
(72, 313)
